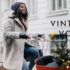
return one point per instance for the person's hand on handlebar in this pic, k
(41, 35)
(24, 36)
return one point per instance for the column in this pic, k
(0, 25)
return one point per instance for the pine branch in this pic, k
(62, 45)
(55, 42)
(65, 42)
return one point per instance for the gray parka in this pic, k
(13, 51)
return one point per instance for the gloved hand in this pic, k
(41, 35)
(24, 36)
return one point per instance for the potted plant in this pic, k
(62, 57)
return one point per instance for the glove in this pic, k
(41, 35)
(24, 36)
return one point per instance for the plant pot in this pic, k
(43, 67)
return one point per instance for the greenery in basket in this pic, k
(62, 54)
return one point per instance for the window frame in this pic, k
(33, 16)
(10, 3)
(59, 40)
(58, 12)
(56, 5)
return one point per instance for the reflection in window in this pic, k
(53, 4)
(64, 3)
(62, 36)
(57, 42)
(60, 4)
(58, 39)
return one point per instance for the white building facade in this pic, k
(41, 13)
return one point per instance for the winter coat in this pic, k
(13, 46)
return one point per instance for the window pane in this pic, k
(66, 44)
(53, 46)
(61, 42)
(65, 37)
(64, 3)
(57, 42)
(59, 4)
(53, 37)
(53, 4)
(62, 36)
(31, 6)
(57, 37)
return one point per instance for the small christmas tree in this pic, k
(62, 54)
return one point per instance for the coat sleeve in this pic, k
(9, 30)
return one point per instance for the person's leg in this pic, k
(40, 52)
(35, 54)
(25, 65)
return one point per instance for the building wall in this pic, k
(40, 23)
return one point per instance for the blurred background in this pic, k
(41, 13)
